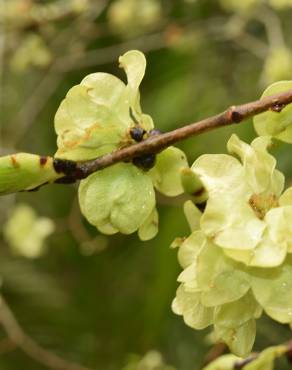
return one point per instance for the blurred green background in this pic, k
(89, 298)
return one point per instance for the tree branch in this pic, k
(20, 339)
(240, 364)
(218, 350)
(154, 144)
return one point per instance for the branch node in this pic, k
(72, 170)
(64, 166)
(278, 107)
(234, 115)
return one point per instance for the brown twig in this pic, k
(240, 364)
(154, 144)
(216, 351)
(20, 339)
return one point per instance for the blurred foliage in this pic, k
(151, 361)
(131, 17)
(25, 232)
(95, 299)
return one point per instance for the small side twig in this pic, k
(23, 341)
(240, 364)
(216, 351)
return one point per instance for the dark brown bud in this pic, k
(137, 133)
(145, 162)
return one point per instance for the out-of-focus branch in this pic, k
(6, 345)
(48, 84)
(54, 75)
(253, 44)
(216, 351)
(36, 102)
(273, 27)
(110, 53)
(29, 14)
(20, 339)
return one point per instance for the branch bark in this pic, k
(219, 349)
(154, 144)
(241, 364)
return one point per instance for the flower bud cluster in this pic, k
(237, 261)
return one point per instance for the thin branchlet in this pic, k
(240, 364)
(156, 141)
